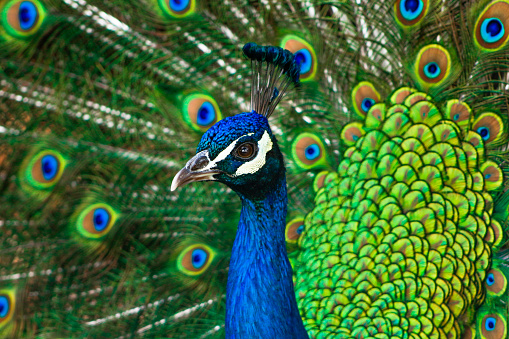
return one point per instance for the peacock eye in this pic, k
(245, 151)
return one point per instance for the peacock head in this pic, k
(239, 151)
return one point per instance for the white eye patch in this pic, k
(252, 166)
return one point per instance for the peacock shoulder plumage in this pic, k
(410, 229)
(394, 143)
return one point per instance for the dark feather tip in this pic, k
(277, 56)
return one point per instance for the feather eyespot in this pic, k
(493, 326)
(304, 55)
(294, 230)
(433, 64)
(364, 96)
(7, 305)
(22, 19)
(195, 259)
(308, 151)
(496, 282)
(96, 220)
(489, 126)
(490, 28)
(43, 170)
(178, 9)
(200, 111)
(410, 12)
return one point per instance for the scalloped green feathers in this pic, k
(94, 221)
(460, 113)
(40, 171)
(305, 55)
(195, 259)
(308, 151)
(177, 9)
(491, 30)
(411, 217)
(320, 180)
(352, 132)
(200, 111)
(21, 19)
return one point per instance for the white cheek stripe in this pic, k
(264, 146)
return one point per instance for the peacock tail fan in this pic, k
(395, 147)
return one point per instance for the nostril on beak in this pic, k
(199, 164)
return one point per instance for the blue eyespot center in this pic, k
(411, 9)
(366, 104)
(304, 59)
(456, 116)
(492, 30)
(101, 219)
(49, 167)
(27, 15)
(206, 114)
(312, 152)
(198, 258)
(490, 280)
(179, 5)
(432, 70)
(490, 323)
(300, 229)
(484, 133)
(411, 5)
(4, 306)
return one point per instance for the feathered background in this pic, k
(103, 102)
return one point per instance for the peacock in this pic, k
(356, 153)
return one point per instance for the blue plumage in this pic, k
(260, 296)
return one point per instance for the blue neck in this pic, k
(260, 299)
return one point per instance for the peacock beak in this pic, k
(199, 168)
